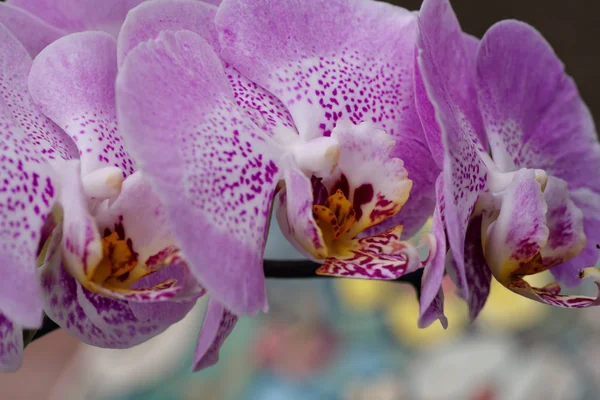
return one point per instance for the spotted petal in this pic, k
(148, 20)
(98, 320)
(294, 211)
(587, 202)
(382, 256)
(80, 70)
(33, 33)
(217, 325)
(441, 58)
(215, 172)
(11, 345)
(431, 300)
(532, 110)
(513, 239)
(27, 190)
(15, 63)
(80, 15)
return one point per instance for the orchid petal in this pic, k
(532, 110)
(382, 256)
(147, 20)
(98, 320)
(15, 65)
(216, 183)
(81, 69)
(551, 293)
(294, 212)
(587, 202)
(566, 224)
(425, 108)
(349, 67)
(33, 33)
(81, 243)
(431, 301)
(478, 272)
(80, 15)
(217, 325)
(519, 232)
(442, 60)
(11, 345)
(28, 190)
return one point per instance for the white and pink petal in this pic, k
(441, 58)
(357, 66)
(214, 170)
(81, 70)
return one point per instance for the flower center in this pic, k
(336, 217)
(118, 261)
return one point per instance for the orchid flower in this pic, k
(112, 273)
(533, 205)
(308, 106)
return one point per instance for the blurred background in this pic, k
(358, 340)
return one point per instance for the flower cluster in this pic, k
(146, 146)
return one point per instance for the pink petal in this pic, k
(80, 15)
(11, 345)
(442, 60)
(150, 18)
(33, 33)
(73, 83)
(211, 165)
(217, 325)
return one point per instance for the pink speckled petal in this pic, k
(567, 238)
(98, 320)
(80, 70)
(27, 192)
(210, 164)
(532, 110)
(11, 345)
(15, 64)
(441, 59)
(150, 18)
(425, 108)
(80, 15)
(33, 33)
(519, 231)
(383, 256)
(478, 272)
(431, 298)
(81, 243)
(587, 202)
(294, 213)
(217, 325)
(354, 62)
(551, 293)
